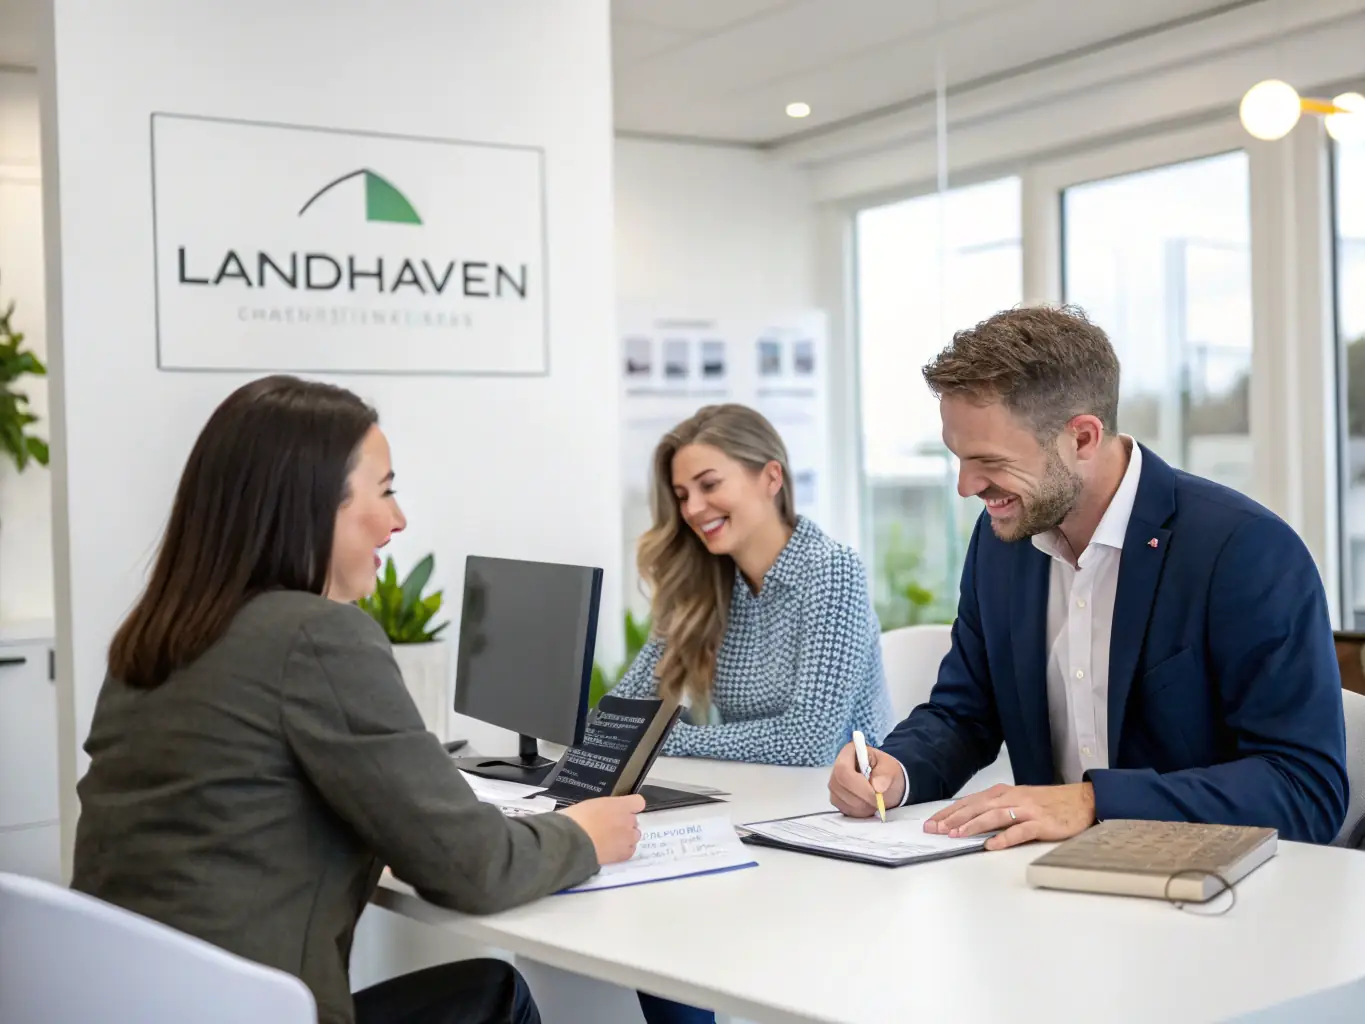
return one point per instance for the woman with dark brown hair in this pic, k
(255, 757)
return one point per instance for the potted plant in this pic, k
(17, 445)
(406, 616)
(603, 679)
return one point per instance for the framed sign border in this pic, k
(539, 152)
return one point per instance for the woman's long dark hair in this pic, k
(255, 511)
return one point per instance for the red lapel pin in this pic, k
(1152, 543)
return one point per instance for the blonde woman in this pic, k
(763, 626)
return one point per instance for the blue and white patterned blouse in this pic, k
(799, 668)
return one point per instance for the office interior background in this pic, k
(951, 158)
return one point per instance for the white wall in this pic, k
(709, 231)
(712, 228)
(700, 227)
(501, 466)
(25, 499)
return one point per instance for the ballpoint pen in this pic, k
(860, 749)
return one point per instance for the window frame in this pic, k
(1294, 362)
(849, 317)
(1347, 549)
(1177, 149)
(1296, 429)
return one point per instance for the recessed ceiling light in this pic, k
(798, 109)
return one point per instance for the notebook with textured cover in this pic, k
(1174, 860)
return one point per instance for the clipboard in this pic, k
(856, 840)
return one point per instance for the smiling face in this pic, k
(723, 501)
(369, 516)
(1028, 487)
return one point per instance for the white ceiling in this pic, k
(724, 70)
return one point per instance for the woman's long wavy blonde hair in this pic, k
(690, 587)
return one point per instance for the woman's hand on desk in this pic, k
(1020, 814)
(610, 824)
(856, 796)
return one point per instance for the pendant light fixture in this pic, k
(1270, 110)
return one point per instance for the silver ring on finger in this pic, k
(1013, 816)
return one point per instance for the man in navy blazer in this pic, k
(1147, 643)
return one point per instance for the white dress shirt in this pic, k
(1080, 616)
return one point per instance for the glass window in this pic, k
(1161, 259)
(925, 267)
(1350, 232)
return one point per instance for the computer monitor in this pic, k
(528, 631)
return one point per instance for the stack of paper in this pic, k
(703, 847)
(512, 798)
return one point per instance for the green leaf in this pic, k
(417, 579)
(38, 449)
(637, 635)
(605, 679)
(28, 362)
(902, 599)
(390, 598)
(918, 596)
(418, 618)
(598, 687)
(13, 441)
(16, 417)
(403, 613)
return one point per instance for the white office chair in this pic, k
(1353, 705)
(65, 956)
(911, 656)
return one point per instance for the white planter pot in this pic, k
(426, 673)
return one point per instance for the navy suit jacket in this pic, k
(1224, 691)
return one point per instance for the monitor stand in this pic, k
(528, 767)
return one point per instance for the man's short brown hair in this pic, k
(1047, 364)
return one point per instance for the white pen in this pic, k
(860, 749)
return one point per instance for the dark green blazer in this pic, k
(253, 798)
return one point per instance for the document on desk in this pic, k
(512, 798)
(899, 840)
(706, 846)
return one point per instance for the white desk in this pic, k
(804, 938)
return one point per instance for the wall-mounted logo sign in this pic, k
(382, 200)
(313, 250)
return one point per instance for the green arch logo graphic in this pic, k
(383, 201)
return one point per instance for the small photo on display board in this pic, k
(769, 357)
(713, 360)
(639, 358)
(677, 360)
